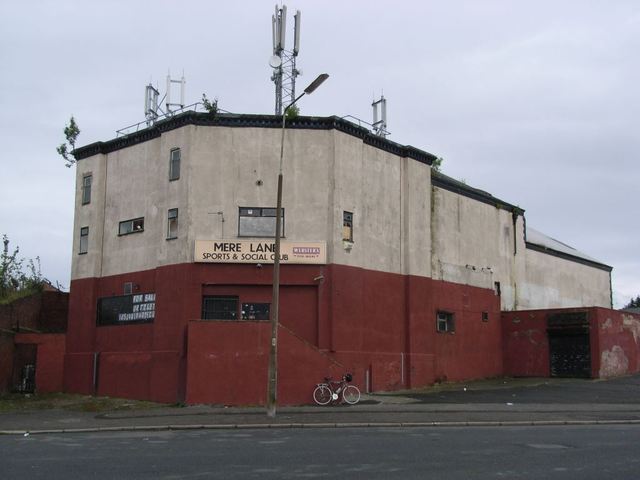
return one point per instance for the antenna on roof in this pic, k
(380, 121)
(151, 104)
(170, 82)
(283, 61)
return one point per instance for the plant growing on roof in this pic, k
(292, 112)
(437, 163)
(210, 106)
(71, 132)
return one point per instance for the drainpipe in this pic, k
(96, 368)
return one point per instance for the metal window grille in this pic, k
(220, 308)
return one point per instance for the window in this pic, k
(86, 188)
(347, 226)
(255, 311)
(485, 316)
(128, 288)
(258, 222)
(84, 240)
(172, 223)
(496, 288)
(174, 164)
(445, 322)
(220, 308)
(131, 226)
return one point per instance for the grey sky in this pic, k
(535, 102)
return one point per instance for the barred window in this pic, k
(219, 308)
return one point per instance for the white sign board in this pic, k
(259, 251)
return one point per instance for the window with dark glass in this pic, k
(135, 225)
(485, 316)
(174, 164)
(84, 240)
(347, 226)
(172, 223)
(86, 188)
(445, 322)
(255, 311)
(220, 308)
(258, 222)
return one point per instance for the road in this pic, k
(554, 452)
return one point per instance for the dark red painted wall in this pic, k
(44, 311)
(475, 349)
(380, 325)
(618, 341)
(6, 362)
(614, 340)
(227, 364)
(49, 360)
(525, 343)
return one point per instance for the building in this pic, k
(32, 341)
(389, 269)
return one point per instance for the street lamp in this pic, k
(272, 386)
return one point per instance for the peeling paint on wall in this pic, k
(629, 322)
(528, 334)
(613, 362)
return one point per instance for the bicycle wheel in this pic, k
(351, 394)
(322, 395)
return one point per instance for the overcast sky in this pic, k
(536, 102)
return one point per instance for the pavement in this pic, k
(495, 402)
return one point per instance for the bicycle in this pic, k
(330, 391)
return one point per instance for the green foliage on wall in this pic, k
(17, 279)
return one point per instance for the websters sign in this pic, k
(231, 251)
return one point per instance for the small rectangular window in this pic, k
(255, 311)
(174, 164)
(84, 240)
(496, 288)
(445, 322)
(485, 316)
(347, 226)
(128, 288)
(220, 308)
(258, 222)
(135, 225)
(172, 223)
(86, 188)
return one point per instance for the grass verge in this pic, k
(17, 402)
